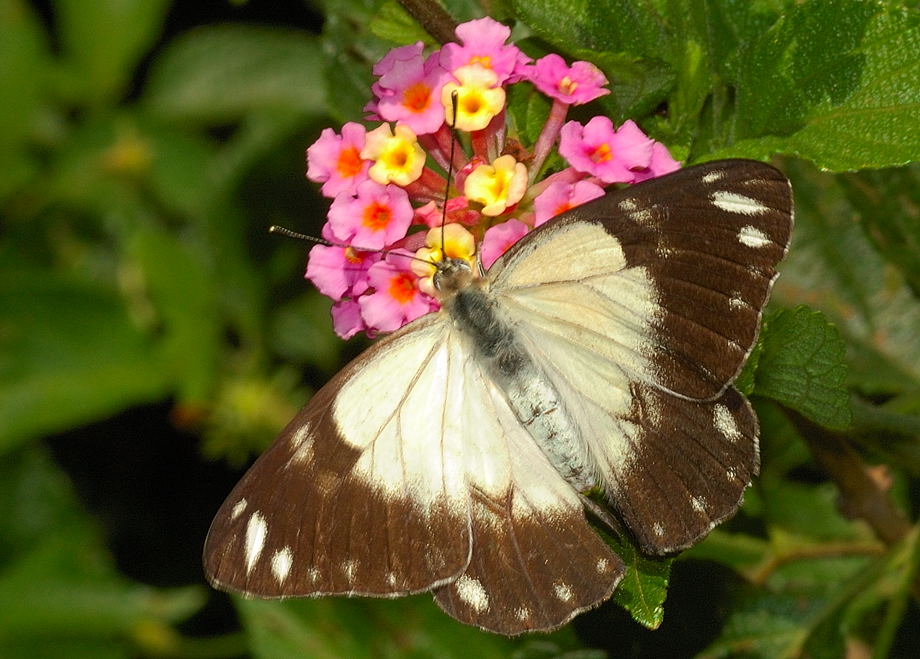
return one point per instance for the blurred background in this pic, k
(154, 337)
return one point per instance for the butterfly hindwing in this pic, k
(536, 562)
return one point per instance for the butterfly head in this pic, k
(451, 275)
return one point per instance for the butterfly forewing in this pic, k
(348, 500)
(643, 321)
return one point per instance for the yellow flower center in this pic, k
(478, 99)
(397, 157)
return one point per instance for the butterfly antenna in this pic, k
(454, 102)
(296, 235)
(283, 231)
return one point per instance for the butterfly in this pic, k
(453, 456)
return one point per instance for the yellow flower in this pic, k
(398, 158)
(458, 244)
(478, 99)
(497, 186)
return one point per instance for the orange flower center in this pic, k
(376, 216)
(352, 255)
(417, 97)
(602, 153)
(567, 85)
(482, 60)
(472, 104)
(402, 288)
(349, 162)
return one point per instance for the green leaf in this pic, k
(615, 26)
(69, 354)
(23, 83)
(393, 23)
(104, 40)
(184, 298)
(529, 110)
(337, 627)
(216, 74)
(60, 594)
(839, 81)
(803, 366)
(302, 333)
(644, 587)
(889, 207)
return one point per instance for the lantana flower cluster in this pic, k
(389, 187)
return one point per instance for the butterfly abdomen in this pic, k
(532, 397)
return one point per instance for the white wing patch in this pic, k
(590, 249)
(282, 560)
(424, 414)
(472, 592)
(733, 202)
(238, 508)
(725, 422)
(753, 237)
(256, 532)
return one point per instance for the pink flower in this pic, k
(498, 239)
(374, 217)
(661, 163)
(346, 318)
(483, 44)
(599, 150)
(396, 299)
(560, 196)
(409, 89)
(580, 83)
(458, 211)
(336, 161)
(340, 271)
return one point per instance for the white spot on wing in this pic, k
(658, 529)
(643, 215)
(522, 613)
(730, 474)
(313, 575)
(303, 445)
(256, 532)
(391, 578)
(349, 567)
(238, 508)
(753, 237)
(602, 565)
(472, 592)
(713, 176)
(697, 504)
(563, 591)
(736, 301)
(725, 422)
(737, 203)
(281, 564)
(628, 205)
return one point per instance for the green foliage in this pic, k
(140, 167)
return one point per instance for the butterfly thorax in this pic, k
(531, 395)
(452, 275)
